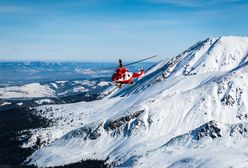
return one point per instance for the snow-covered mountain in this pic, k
(55, 92)
(190, 111)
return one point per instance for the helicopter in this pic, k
(122, 76)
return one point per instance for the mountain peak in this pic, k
(213, 54)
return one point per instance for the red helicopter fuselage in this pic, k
(123, 76)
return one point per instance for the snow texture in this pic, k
(190, 111)
(56, 89)
(28, 90)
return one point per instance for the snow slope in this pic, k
(28, 90)
(190, 111)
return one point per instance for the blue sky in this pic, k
(104, 30)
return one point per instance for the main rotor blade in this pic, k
(141, 60)
(111, 68)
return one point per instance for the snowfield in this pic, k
(60, 88)
(190, 111)
(53, 92)
(28, 90)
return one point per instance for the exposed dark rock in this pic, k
(115, 124)
(227, 100)
(92, 131)
(239, 129)
(209, 129)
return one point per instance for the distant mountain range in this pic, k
(20, 73)
(56, 92)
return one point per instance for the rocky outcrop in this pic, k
(91, 132)
(115, 124)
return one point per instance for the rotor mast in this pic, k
(120, 63)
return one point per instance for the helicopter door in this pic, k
(127, 76)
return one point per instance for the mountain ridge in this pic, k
(192, 92)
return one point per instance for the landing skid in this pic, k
(120, 85)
